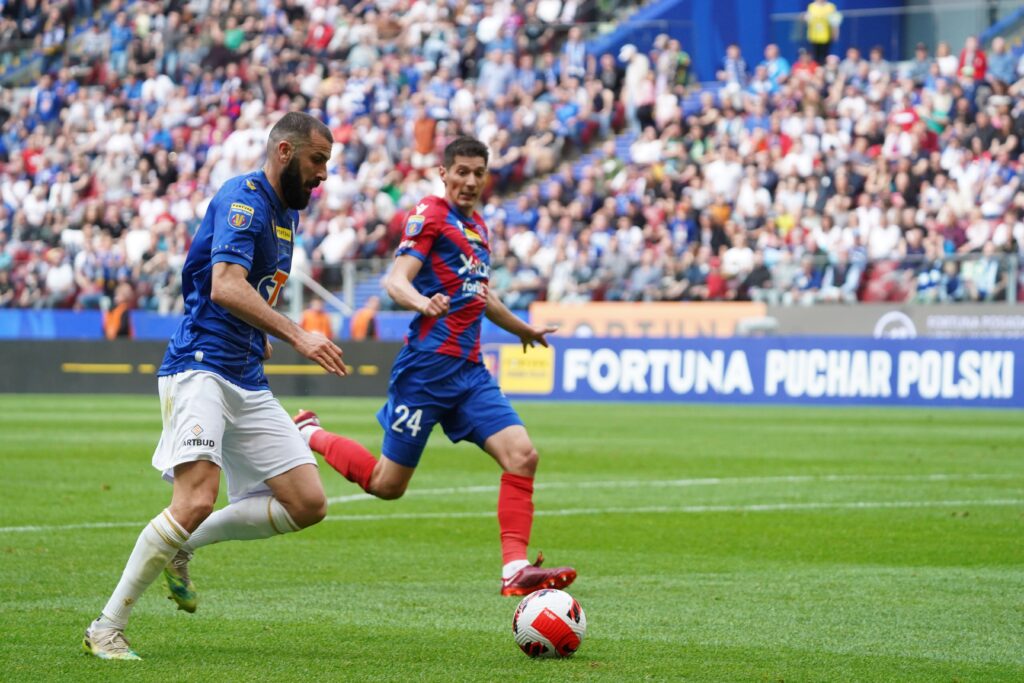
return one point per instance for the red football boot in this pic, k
(532, 578)
(305, 418)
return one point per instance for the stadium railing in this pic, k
(914, 279)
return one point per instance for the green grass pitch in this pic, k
(712, 543)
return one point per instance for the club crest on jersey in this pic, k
(414, 225)
(240, 215)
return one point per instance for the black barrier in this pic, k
(122, 366)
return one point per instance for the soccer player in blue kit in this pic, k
(218, 411)
(441, 271)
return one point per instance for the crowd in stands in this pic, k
(791, 182)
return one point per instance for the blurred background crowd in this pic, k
(794, 178)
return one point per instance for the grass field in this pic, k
(713, 544)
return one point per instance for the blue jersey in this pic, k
(456, 261)
(248, 224)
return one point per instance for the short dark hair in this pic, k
(465, 146)
(297, 128)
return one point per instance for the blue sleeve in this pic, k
(239, 219)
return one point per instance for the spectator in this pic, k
(7, 291)
(315, 319)
(949, 64)
(120, 41)
(117, 321)
(733, 73)
(822, 19)
(972, 67)
(776, 66)
(363, 325)
(1001, 66)
(920, 67)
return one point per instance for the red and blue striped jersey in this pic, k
(456, 260)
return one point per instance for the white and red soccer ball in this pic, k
(549, 623)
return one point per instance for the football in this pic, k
(549, 623)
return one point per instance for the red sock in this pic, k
(515, 515)
(349, 458)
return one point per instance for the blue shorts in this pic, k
(427, 388)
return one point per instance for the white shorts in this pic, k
(245, 433)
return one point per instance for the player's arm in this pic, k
(399, 287)
(498, 313)
(232, 291)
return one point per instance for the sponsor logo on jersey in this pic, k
(284, 233)
(414, 225)
(250, 184)
(471, 266)
(197, 430)
(240, 215)
(475, 287)
(269, 287)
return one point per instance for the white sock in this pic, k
(245, 520)
(307, 431)
(157, 544)
(510, 568)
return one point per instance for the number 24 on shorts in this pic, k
(407, 420)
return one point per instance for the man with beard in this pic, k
(218, 411)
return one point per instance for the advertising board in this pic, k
(814, 371)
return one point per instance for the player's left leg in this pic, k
(512, 449)
(487, 418)
(195, 490)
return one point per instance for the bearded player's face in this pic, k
(304, 171)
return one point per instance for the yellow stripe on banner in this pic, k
(368, 370)
(97, 368)
(294, 370)
(146, 368)
(302, 369)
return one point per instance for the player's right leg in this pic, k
(195, 491)
(384, 478)
(415, 404)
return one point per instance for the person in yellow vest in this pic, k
(823, 20)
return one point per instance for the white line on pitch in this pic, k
(566, 512)
(692, 509)
(672, 483)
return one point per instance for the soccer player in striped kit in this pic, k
(441, 271)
